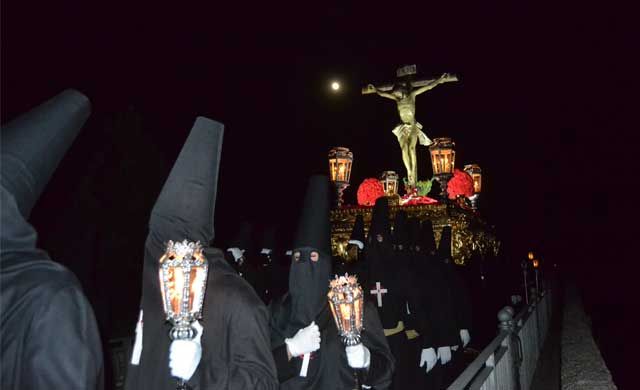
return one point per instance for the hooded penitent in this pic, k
(306, 301)
(60, 347)
(380, 221)
(268, 239)
(428, 240)
(401, 230)
(235, 340)
(414, 233)
(457, 288)
(379, 254)
(242, 239)
(309, 279)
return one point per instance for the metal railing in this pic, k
(510, 360)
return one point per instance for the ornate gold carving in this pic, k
(469, 233)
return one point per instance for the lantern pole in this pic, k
(524, 274)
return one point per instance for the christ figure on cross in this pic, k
(409, 131)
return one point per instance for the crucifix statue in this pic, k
(409, 131)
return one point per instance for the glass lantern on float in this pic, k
(389, 181)
(340, 160)
(476, 174)
(443, 159)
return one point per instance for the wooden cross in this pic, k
(405, 71)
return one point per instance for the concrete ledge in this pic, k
(582, 365)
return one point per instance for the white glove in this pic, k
(184, 355)
(428, 356)
(358, 356)
(444, 354)
(465, 337)
(237, 253)
(306, 340)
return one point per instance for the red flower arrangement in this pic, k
(369, 191)
(461, 184)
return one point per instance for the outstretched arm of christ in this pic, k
(445, 78)
(379, 92)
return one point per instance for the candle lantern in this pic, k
(340, 160)
(347, 307)
(389, 180)
(183, 280)
(443, 158)
(476, 174)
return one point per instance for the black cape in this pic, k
(236, 352)
(48, 334)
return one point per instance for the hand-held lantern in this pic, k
(347, 306)
(183, 280)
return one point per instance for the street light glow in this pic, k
(335, 85)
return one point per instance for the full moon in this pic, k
(335, 85)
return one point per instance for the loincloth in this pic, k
(404, 131)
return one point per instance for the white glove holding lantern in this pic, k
(358, 356)
(465, 337)
(185, 355)
(444, 354)
(306, 340)
(429, 357)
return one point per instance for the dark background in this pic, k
(544, 105)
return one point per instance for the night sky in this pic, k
(543, 104)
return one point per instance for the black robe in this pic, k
(49, 337)
(247, 270)
(391, 270)
(48, 334)
(328, 367)
(236, 351)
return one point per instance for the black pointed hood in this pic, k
(401, 229)
(269, 238)
(444, 248)
(357, 234)
(313, 228)
(243, 237)
(34, 144)
(309, 279)
(380, 220)
(427, 239)
(185, 207)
